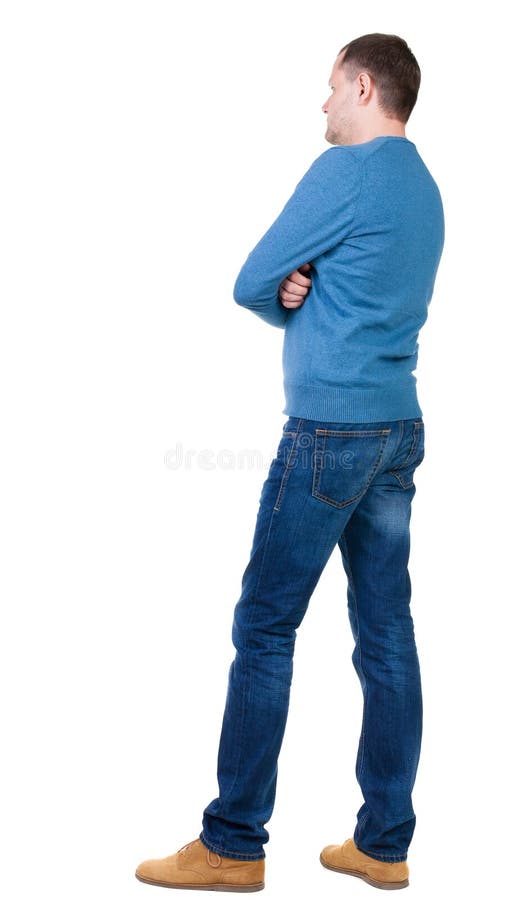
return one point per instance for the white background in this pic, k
(146, 146)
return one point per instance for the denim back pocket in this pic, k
(414, 457)
(345, 462)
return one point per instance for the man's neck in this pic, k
(386, 128)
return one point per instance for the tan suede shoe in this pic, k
(348, 858)
(195, 867)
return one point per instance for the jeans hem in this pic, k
(383, 857)
(230, 854)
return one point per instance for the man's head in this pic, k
(374, 85)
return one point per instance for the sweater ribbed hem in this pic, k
(338, 404)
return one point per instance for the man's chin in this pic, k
(331, 137)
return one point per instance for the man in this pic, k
(348, 270)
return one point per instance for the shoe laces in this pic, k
(186, 847)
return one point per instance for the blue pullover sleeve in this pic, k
(317, 217)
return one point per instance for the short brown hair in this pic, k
(391, 65)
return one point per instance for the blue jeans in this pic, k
(329, 483)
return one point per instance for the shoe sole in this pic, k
(384, 885)
(239, 888)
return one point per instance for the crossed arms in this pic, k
(274, 279)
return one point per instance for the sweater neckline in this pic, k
(391, 137)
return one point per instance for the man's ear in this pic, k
(364, 85)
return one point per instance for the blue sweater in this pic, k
(369, 219)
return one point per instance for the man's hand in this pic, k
(293, 289)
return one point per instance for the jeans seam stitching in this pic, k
(359, 643)
(375, 433)
(288, 467)
(413, 447)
